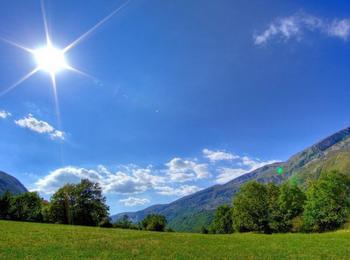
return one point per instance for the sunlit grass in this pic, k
(48, 241)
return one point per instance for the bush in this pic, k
(154, 222)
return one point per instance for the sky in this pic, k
(175, 96)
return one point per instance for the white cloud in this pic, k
(296, 25)
(4, 114)
(132, 201)
(228, 174)
(180, 170)
(244, 165)
(214, 156)
(39, 126)
(183, 190)
(254, 164)
(130, 181)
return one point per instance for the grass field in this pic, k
(48, 241)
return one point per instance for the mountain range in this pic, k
(11, 184)
(191, 212)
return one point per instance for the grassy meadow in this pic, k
(20, 240)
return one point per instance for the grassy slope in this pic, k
(48, 241)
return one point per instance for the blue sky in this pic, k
(182, 95)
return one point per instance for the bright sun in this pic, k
(50, 59)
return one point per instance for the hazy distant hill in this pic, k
(191, 212)
(10, 183)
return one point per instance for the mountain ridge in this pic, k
(189, 213)
(11, 184)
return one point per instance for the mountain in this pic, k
(10, 183)
(191, 212)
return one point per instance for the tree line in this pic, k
(74, 204)
(267, 208)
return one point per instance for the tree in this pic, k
(274, 213)
(328, 204)
(291, 205)
(222, 223)
(62, 203)
(154, 222)
(285, 203)
(250, 208)
(26, 207)
(79, 204)
(5, 205)
(90, 208)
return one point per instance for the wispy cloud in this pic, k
(4, 114)
(218, 155)
(39, 126)
(295, 26)
(133, 201)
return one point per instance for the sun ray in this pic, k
(43, 12)
(55, 95)
(82, 73)
(20, 46)
(96, 26)
(27, 76)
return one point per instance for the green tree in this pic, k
(154, 222)
(250, 208)
(5, 205)
(328, 202)
(90, 208)
(26, 207)
(274, 213)
(79, 204)
(62, 203)
(222, 222)
(291, 205)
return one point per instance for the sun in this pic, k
(50, 59)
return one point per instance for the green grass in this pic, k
(47, 241)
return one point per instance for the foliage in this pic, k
(328, 202)
(250, 208)
(222, 223)
(284, 203)
(5, 205)
(154, 222)
(79, 204)
(26, 207)
(124, 222)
